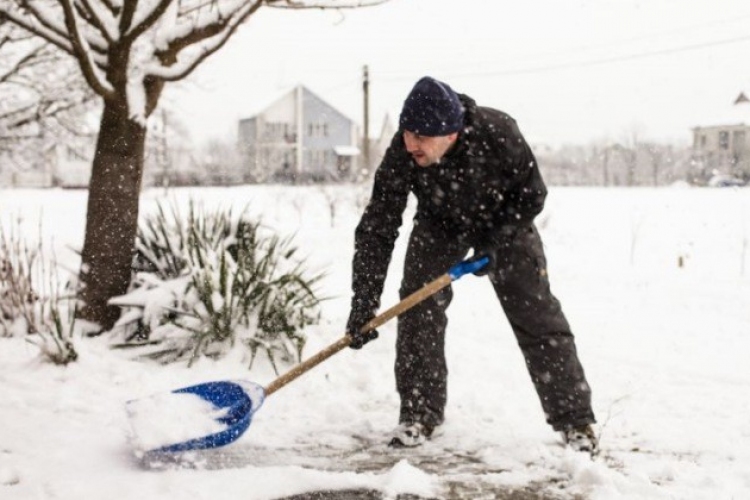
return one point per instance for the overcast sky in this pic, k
(568, 71)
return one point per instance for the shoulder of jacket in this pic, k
(494, 121)
(496, 133)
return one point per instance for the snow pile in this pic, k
(664, 343)
(8, 477)
(171, 418)
(403, 478)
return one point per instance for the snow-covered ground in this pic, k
(665, 349)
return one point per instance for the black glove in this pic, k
(361, 314)
(494, 250)
(480, 253)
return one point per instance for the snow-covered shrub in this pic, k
(209, 282)
(31, 299)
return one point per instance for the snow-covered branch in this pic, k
(324, 4)
(101, 19)
(192, 45)
(90, 70)
(40, 88)
(33, 25)
(44, 16)
(25, 60)
(147, 16)
(126, 15)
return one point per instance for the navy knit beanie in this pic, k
(432, 109)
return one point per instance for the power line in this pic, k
(614, 43)
(651, 36)
(586, 63)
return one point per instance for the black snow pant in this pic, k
(522, 287)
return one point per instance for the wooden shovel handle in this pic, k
(415, 298)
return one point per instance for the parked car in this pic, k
(723, 180)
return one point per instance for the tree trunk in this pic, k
(112, 213)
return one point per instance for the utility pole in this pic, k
(366, 138)
(297, 175)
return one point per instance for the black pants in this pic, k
(535, 315)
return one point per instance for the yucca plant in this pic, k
(160, 244)
(215, 281)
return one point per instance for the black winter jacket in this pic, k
(487, 185)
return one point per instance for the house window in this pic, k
(277, 130)
(723, 139)
(318, 129)
(738, 140)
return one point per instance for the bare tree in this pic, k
(630, 144)
(42, 95)
(127, 50)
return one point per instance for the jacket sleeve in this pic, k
(526, 197)
(378, 228)
(522, 188)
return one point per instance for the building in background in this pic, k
(69, 164)
(721, 150)
(37, 163)
(299, 138)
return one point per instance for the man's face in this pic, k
(425, 150)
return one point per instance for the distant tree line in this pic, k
(617, 164)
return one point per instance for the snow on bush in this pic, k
(210, 282)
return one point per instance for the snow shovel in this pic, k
(219, 412)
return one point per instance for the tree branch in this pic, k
(95, 21)
(128, 11)
(8, 115)
(43, 19)
(111, 7)
(24, 61)
(323, 4)
(215, 35)
(34, 26)
(81, 48)
(148, 20)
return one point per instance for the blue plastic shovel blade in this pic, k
(236, 401)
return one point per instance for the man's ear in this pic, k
(452, 137)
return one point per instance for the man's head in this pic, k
(430, 120)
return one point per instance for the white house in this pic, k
(722, 146)
(299, 138)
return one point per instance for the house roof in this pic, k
(736, 113)
(264, 104)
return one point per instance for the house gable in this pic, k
(299, 137)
